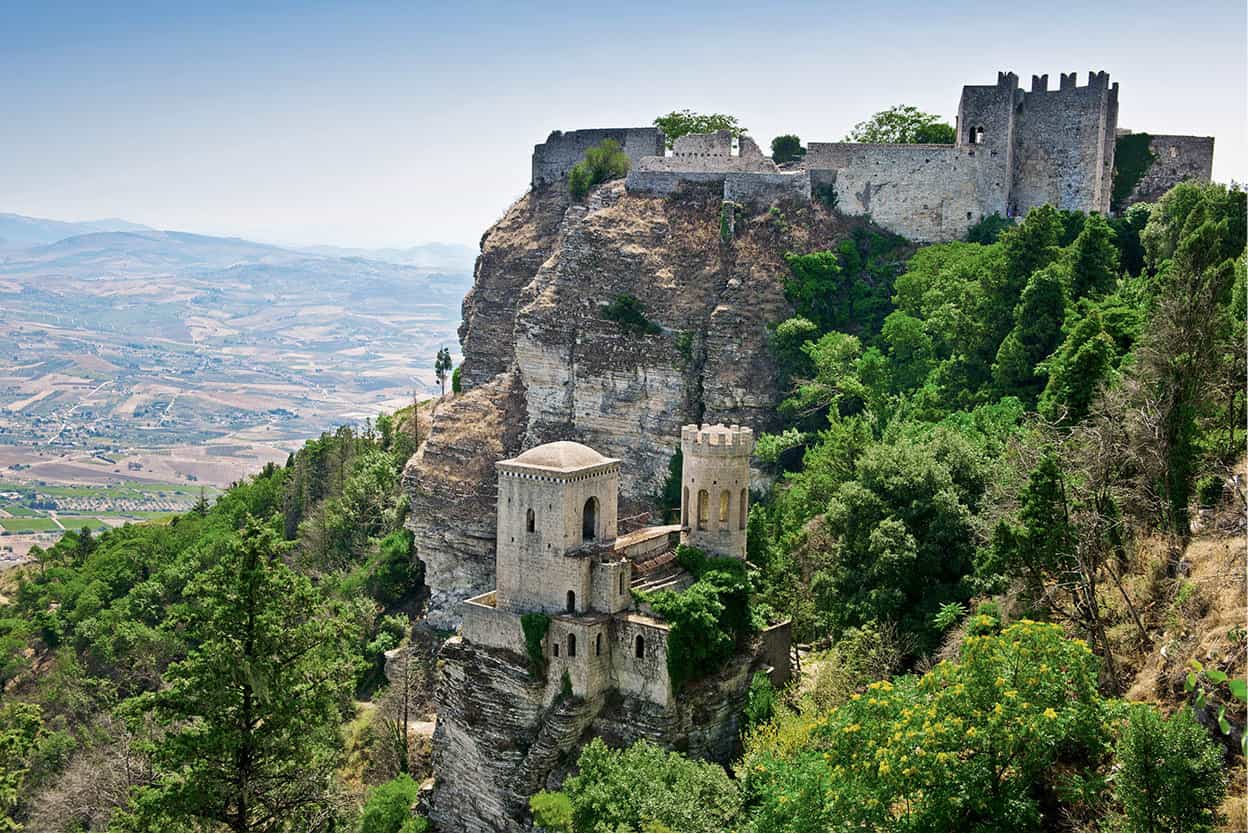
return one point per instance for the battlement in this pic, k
(716, 440)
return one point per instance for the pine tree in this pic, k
(248, 722)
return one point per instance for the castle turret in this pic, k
(715, 492)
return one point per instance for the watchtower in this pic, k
(557, 507)
(715, 487)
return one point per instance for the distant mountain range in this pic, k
(56, 238)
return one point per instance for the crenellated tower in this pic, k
(715, 487)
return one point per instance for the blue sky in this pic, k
(375, 124)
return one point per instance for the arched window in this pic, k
(742, 508)
(598, 643)
(571, 602)
(977, 135)
(530, 521)
(589, 520)
(639, 646)
(684, 508)
(704, 508)
(571, 645)
(724, 500)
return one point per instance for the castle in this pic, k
(508, 727)
(560, 553)
(1014, 150)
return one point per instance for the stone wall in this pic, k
(486, 625)
(761, 190)
(924, 192)
(1176, 159)
(555, 157)
(646, 676)
(715, 483)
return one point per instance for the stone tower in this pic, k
(557, 507)
(715, 492)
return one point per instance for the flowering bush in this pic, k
(970, 745)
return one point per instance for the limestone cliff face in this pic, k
(541, 363)
(498, 742)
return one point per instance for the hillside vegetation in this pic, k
(1003, 511)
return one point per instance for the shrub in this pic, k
(1209, 490)
(552, 811)
(1132, 159)
(975, 744)
(760, 701)
(535, 625)
(644, 788)
(389, 807)
(1171, 776)
(456, 385)
(988, 229)
(786, 148)
(626, 311)
(605, 161)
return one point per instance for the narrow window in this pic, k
(622, 588)
(704, 508)
(684, 509)
(554, 648)
(589, 520)
(571, 602)
(724, 500)
(742, 509)
(571, 645)
(530, 521)
(639, 646)
(598, 643)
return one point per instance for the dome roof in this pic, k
(562, 454)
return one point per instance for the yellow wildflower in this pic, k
(1049, 713)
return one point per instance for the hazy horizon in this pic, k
(385, 125)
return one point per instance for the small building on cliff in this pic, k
(514, 707)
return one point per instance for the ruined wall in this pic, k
(555, 157)
(1063, 148)
(487, 625)
(760, 190)
(924, 192)
(1176, 159)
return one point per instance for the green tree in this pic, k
(681, 122)
(1093, 259)
(249, 719)
(1171, 776)
(1036, 334)
(21, 726)
(389, 807)
(442, 366)
(1079, 367)
(902, 125)
(605, 161)
(644, 788)
(786, 148)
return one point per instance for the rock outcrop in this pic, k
(542, 363)
(497, 743)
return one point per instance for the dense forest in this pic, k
(987, 473)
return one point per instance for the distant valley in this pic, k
(158, 358)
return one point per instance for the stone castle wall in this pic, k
(1176, 159)
(555, 157)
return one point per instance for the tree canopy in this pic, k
(903, 124)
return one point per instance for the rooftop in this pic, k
(562, 455)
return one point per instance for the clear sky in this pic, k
(375, 124)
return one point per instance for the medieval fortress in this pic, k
(1015, 149)
(560, 553)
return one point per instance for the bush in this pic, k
(551, 811)
(786, 148)
(760, 702)
(456, 385)
(535, 625)
(389, 807)
(974, 745)
(626, 311)
(988, 229)
(1171, 776)
(1209, 490)
(644, 788)
(605, 161)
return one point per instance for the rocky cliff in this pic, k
(541, 362)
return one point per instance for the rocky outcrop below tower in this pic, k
(543, 362)
(499, 739)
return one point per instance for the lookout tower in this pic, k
(557, 506)
(715, 487)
